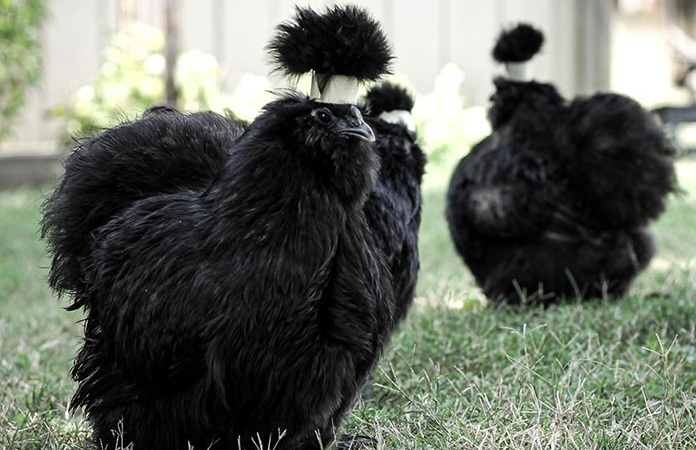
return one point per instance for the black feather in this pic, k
(393, 208)
(231, 284)
(164, 152)
(518, 44)
(388, 97)
(555, 203)
(608, 139)
(345, 40)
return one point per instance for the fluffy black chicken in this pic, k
(393, 209)
(235, 295)
(555, 202)
(162, 153)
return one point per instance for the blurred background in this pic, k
(70, 67)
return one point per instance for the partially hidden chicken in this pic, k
(393, 209)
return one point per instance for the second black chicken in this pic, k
(555, 203)
(393, 209)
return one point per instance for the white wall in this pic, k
(643, 66)
(425, 35)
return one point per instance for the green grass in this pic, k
(457, 375)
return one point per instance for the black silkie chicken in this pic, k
(393, 209)
(234, 292)
(555, 203)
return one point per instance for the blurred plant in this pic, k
(131, 80)
(250, 95)
(21, 58)
(446, 127)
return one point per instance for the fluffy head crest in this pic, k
(518, 44)
(391, 103)
(515, 47)
(386, 97)
(344, 43)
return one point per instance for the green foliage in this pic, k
(457, 375)
(21, 58)
(131, 80)
(446, 127)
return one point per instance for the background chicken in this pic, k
(555, 203)
(393, 209)
(233, 289)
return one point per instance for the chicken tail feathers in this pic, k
(163, 152)
(619, 159)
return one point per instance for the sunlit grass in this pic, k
(457, 375)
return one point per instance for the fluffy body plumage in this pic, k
(344, 40)
(393, 209)
(556, 201)
(239, 301)
(168, 153)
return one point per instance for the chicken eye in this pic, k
(323, 115)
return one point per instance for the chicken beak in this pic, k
(356, 127)
(363, 132)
